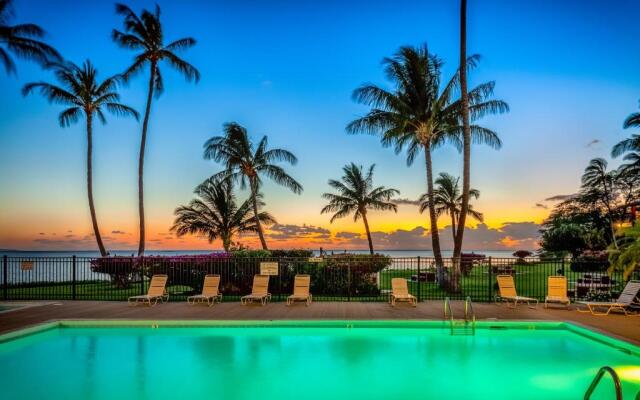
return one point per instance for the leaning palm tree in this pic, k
(420, 115)
(22, 41)
(85, 95)
(144, 34)
(216, 214)
(357, 195)
(598, 185)
(245, 163)
(448, 200)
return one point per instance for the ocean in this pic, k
(390, 253)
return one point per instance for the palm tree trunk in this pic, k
(143, 143)
(466, 169)
(92, 209)
(254, 200)
(435, 236)
(610, 212)
(453, 223)
(366, 228)
(226, 243)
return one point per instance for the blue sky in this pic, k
(570, 71)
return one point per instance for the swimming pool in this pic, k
(311, 360)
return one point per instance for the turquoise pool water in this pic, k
(314, 360)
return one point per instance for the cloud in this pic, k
(540, 205)
(290, 231)
(348, 235)
(41, 233)
(118, 232)
(406, 201)
(510, 235)
(561, 197)
(593, 143)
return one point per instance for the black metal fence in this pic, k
(335, 278)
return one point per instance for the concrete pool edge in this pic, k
(605, 338)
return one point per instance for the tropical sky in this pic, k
(568, 69)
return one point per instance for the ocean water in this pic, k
(245, 363)
(390, 253)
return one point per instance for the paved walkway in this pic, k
(626, 328)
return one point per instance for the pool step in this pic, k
(462, 328)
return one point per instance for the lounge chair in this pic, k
(557, 291)
(155, 293)
(301, 285)
(507, 289)
(400, 292)
(626, 300)
(210, 291)
(260, 291)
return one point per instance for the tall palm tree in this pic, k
(357, 195)
(245, 163)
(216, 214)
(466, 140)
(598, 184)
(144, 34)
(22, 41)
(420, 115)
(85, 95)
(448, 200)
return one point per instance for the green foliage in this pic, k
(564, 238)
(293, 253)
(627, 256)
(590, 261)
(248, 253)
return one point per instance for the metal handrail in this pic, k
(598, 378)
(469, 314)
(448, 313)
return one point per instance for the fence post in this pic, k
(73, 277)
(5, 280)
(418, 280)
(490, 275)
(563, 272)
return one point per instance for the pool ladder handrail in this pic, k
(448, 313)
(469, 314)
(598, 378)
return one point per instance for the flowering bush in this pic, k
(180, 269)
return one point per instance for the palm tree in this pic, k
(246, 163)
(466, 140)
(22, 41)
(448, 200)
(144, 34)
(598, 185)
(84, 94)
(356, 195)
(420, 116)
(630, 147)
(216, 215)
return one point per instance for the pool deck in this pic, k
(625, 328)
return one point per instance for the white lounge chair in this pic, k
(627, 298)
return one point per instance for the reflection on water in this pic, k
(309, 363)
